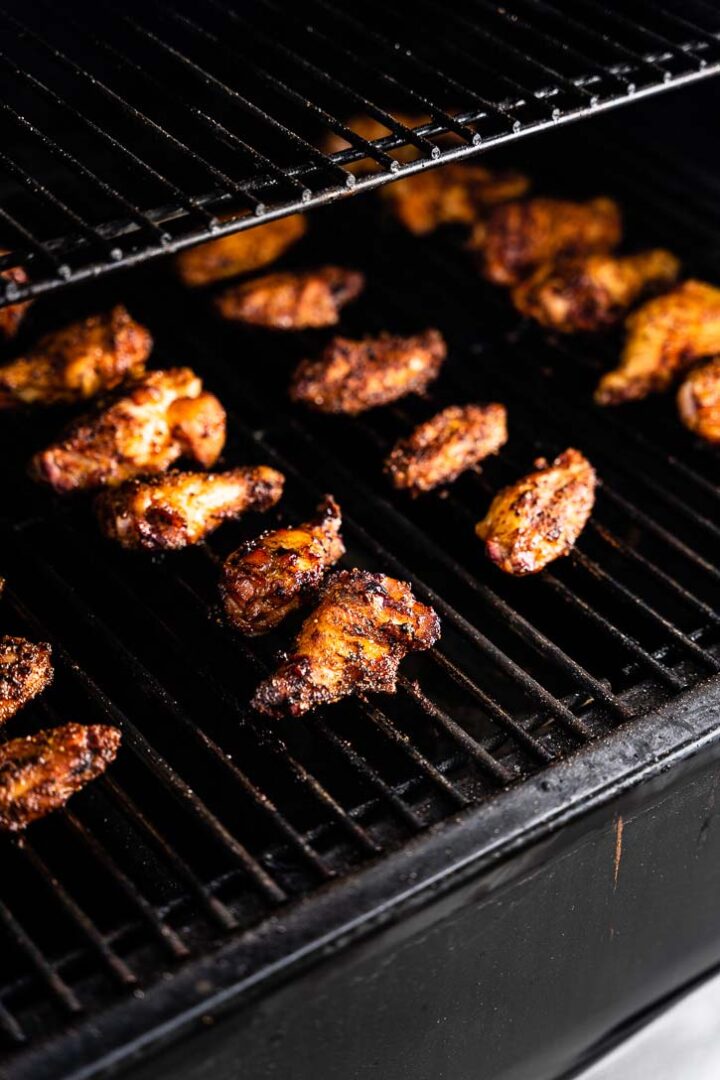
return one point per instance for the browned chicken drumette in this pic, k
(267, 578)
(77, 362)
(160, 418)
(352, 376)
(239, 252)
(39, 773)
(699, 401)
(351, 644)
(25, 671)
(538, 518)
(180, 508)
(520, 236)
(590, 292)
(292, 301)
(664, 337)
(447, 444)
(12, 315)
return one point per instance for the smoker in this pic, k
(506, 867)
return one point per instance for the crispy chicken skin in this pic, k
(452, 195)
(180, 508)
(352, 376)
(25, 671)
(267, 578)
(699, 401)
(447, 444)
(664, 338)
(520, 236)
(39, 773)
(351, 644)
(292, 301)
(591, 292)
(163, 416)
(77, 362)
(239, 252)
(538, 518)
(12, 315)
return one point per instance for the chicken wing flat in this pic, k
(239, 252)
(351, 644)
(664, 338)
(442, 448)
(292, 301)
(699, 401)
(25, 671)
(180, 508)
(160, 418)
(352, 376)
(591, 292)
(78, 362)
(267, 578)
(520, 236)
(538, 518)
(12, 315)
(39, 773)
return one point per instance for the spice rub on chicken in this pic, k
(590, 292)
(455, 194)
(699, 401)
(180, 508)
(443, 447)
(351, 644)
(239, 252)
(267, 578)
(664, 338)
(12, 315)
(292, 301)
(39, 773)
(160, 418)
(352, 376)
(538, 518)
(81, 360)
(25, 670)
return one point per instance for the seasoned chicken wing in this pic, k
(25, 671)
(267, 578)
(352, 376)
(538, 518)
(39, 773)
(447, 444)
(239, 252)
(292, 301)
(163, 416)
(351, 644)
(77, 362)
(664, 337)
(520, 236)
(590, 292)
(699, 401)
(455, 194)
(180, 508)
(12, 315)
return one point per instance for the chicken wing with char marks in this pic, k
(77, 362)
(352, 376)
(538, 518)
(12, 315)
(239, 252)
(25, 671)
(180, 508)
(267, 578)
(39, 773)
(699, 401)
(160, 418)
(351, 644)
(292, 301)
(455, 194)
(664, 338)
(442, 448)
(590, 292)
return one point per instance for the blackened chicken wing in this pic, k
(292, 301)
(239, 252)
(25, 671)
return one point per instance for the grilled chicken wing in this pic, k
(292, 301)
(442, 448)
(38, 774)
(352, 643)
(267, 578)
(163, 416)
(592, 291)
(455, 194)
(12, 315)
(25, 671)
(77, 362)
(538, 518)
(239, 252)
(699, 401)
(520, 236)
(180, 508)
(352, 376)
(665, 336)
